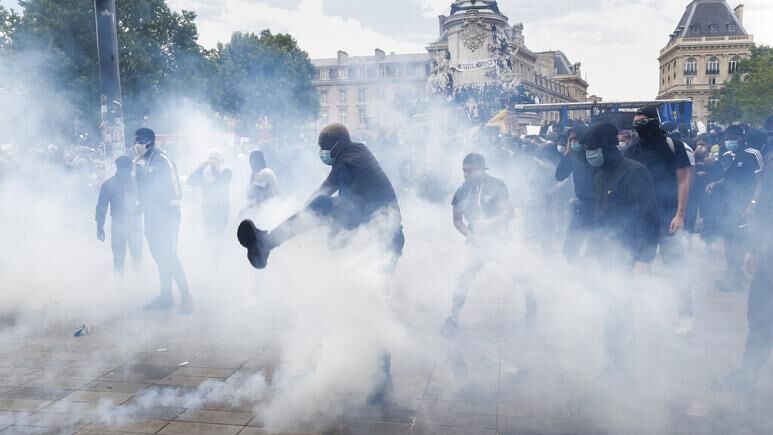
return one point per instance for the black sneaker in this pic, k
(255, 241)
(449, 327)
(160, 303)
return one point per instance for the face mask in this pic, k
(561, 148)
(327, 155)
(595, 157)
(576, 146)
(731, 145)
(140, 149)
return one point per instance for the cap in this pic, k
(649, 112)
(475, 160)
(146, 134)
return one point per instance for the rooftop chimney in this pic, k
(343, 57)
(739, 13)
(380, 54)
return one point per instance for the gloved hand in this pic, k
(101, 234)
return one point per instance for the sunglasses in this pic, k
(643, 122)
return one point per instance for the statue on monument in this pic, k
(516, 35)
(440, 78)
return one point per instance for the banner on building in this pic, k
(486, 63)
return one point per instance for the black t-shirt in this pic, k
(362, 185)
(740, 176)
(480, 200)
(662, 163)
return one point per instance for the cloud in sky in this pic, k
(617, 41)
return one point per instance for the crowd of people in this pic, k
(590, 189)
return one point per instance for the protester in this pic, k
(735, 190)
(160, 195)
(264, 184)
(627, 227)
(670, 167)
(481, 211)
(119, 194)
(215, 180)
(365, 195)
(575, 164)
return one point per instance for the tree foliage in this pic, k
(748, 96)
(263, 77)
(161, 61)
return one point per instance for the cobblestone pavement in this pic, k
(494, 377)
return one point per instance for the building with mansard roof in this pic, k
(703, 53)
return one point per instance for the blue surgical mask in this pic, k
(327, 155)
(595, 157)
(561, 148)
(731, 145)
(576, 146)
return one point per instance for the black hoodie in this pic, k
(625, 211)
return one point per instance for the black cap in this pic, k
(601, 135)
(734, 130)
(146, 134)
(475, 160)
(649, 112)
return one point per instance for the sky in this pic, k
(617, 41)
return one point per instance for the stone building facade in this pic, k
(476, 47)
(703, 53)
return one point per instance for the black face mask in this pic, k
(649, 131)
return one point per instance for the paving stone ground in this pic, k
(494, 377)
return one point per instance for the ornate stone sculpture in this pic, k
(474, 33)
(440, 76)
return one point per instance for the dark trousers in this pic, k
(161, 232)
(123, 235)
(760, 316)
(579, 227)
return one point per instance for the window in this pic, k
(342, 96)
(362, 73)
(712, 66)
(713, 101)
(363, 117)
(342, 116)
(713, 28)
(733, 66)
(324, 117)
(420, 70)
(324, 74)
(382, 71)
(323, 98)
(688, 81)
(691, 66)
(362, 96)
(731, 28)
(712, 81)
(401, 71)
(343, 74)
(695, 28)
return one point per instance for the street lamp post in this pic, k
(111, 107)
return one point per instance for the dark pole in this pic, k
(109, 80)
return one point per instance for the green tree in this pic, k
(9, 21)
(158, 48)
(748, 96)
(265, 76)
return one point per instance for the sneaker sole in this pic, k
(247, 233)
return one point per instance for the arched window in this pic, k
(691, 66)
(733, 66)
(712, 66)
